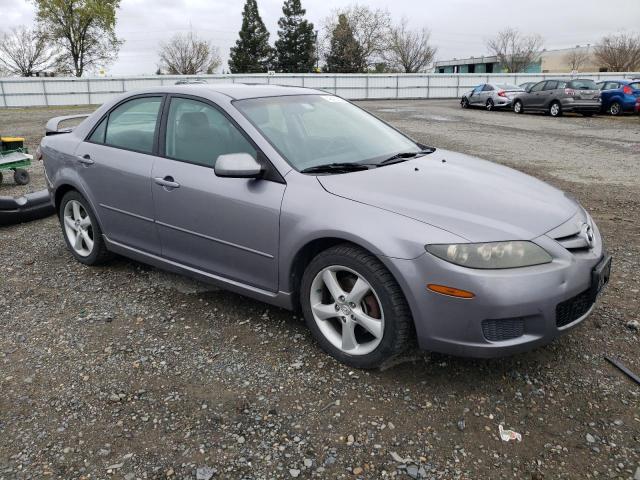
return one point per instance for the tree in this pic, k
(369, 28)
(25, 52)
(409, 51)
(576, 58)
(619, 52)
(345, 54)
(84, 30)
(296, 44)
(186, 54)
(252, 53)
(515, 51)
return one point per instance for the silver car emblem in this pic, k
(587, 232)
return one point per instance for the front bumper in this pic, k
(513, 311)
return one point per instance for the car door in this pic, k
(116, 161)
(487, 93)
(476, 95)
(548, 94)
(533, 99)
(228, 227)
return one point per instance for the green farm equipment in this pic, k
(15, 156)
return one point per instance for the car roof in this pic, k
(236, 91)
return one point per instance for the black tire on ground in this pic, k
(555, 112)
(398, 323)
(518, 107)
(21, 176)
(615, 109)
(464, 103)
(99, 254)
(490, 105)
(0, 177)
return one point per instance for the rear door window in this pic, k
(551, 85)
(132, 125)
(488, 88)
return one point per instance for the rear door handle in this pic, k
(86, 159)
(167, 182)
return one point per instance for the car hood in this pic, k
(469, 197)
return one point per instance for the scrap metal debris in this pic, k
(623, 369)
(507, 435)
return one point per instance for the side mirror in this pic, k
(237, 165)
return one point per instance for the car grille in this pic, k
(503, 329)
(572, 309)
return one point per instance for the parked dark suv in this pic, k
(556, 97)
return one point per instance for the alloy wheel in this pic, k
(347, 310)
(78, 228)
(517, 107)
(555, 109)
(489, 104)
(615, 108)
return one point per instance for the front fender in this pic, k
(310, 213)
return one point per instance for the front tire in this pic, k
(81, 231)
(518, 107)
(615, 109)
(354, 307)
(464, 103)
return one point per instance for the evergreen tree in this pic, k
(252, 53)
(345, 54)
(296, 44)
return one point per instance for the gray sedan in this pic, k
(490, 96)
(301, 199)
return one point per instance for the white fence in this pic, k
(25, 92)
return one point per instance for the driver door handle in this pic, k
(167, 182)
(86, 159)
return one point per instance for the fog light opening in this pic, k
(450, 291)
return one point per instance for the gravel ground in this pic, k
(125, 371)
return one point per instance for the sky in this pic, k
(460, 28)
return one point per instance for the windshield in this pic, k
(582, 85)
(312, 130)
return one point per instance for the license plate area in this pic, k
(600, 276)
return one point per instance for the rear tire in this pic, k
(80, 226)
(615, 109)
(21, 177)
(518, 107)
(555, 109)
(490, 105)
(354, 307)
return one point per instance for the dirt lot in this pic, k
(127, 372)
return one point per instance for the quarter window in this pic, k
(131, 126)
(198, 133)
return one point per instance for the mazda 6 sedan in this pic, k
(300, 199)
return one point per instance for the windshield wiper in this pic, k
(404, 156)
(336, 167)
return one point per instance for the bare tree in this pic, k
(619, 52)
(576, 58)
(25, 52)
(409, 51)
(369, 27)
(515, 51)
(187, 54)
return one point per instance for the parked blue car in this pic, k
(619, 96)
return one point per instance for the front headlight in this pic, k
(492, 255)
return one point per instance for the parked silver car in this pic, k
(556, 97)
(301, 199)
(490, 96)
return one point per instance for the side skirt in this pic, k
(278, 299)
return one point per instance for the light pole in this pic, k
(317, 53)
